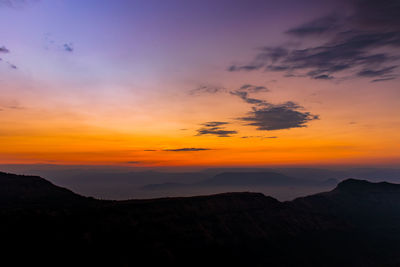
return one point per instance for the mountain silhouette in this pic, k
(356, 224)
(371, 205)
(20, 190)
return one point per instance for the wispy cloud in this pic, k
(249, 88)
(12, 65)
(187, 149)
(365, 44)
(213, 89)
(215, 128)
(376, 72)
(264, 115)
(207, 89)
(68, 47)
(245, 97)
(4, 50)
(267, 116)
(383, 79)
(259, 136)
(214, 123)
(317, 26)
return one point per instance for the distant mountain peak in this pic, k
(355, 185)
(20, 189)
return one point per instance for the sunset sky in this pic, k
(199, 83)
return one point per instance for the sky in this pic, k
(200, 83)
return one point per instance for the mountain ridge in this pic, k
(235, 229)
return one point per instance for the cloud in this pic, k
(383, 79)
(4, 50)
(15, 106)
(68, 47)
(207, 89)
(268, 116)
(278, 117)
(377, 72)
(244, 90)
(323, 77)
(364, 44)
(245, 97)
(214, 123)
(186, 149)
(52, 43)
(133, 162)
(259, 136)
(316, 27)
(214, 128)
(11, 105)
(215, 131)
(253, 88)
(11, 65)
(248, 67)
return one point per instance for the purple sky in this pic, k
(117, 81)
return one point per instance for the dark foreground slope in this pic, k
(233, 229)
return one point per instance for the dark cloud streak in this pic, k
(68, 47)
(215, 131)
(278, 117)
(267, 116)
(316, 27)
(214, 128)
(214, 123)
(253, 88)
(207, 89)
(376, 73)
(4, 50)
(352, 44)
(245, 97)
(264, 115)
(244, 90)
(186, 149)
